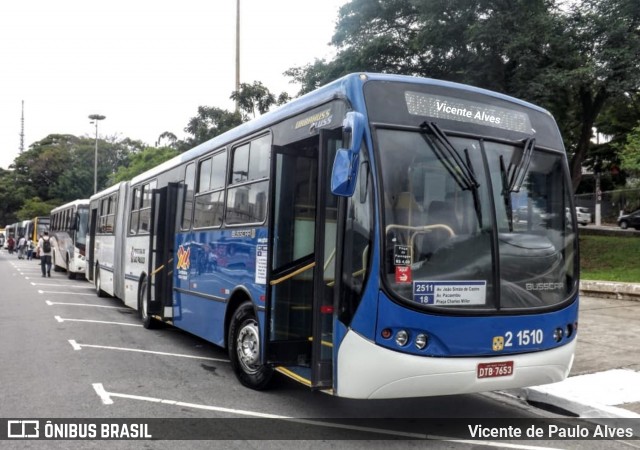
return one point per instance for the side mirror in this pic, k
(345, 165)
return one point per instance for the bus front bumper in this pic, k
(368, 371)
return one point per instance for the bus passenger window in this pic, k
(187, 210)
(135, 211)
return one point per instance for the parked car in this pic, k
(630, 220)
(583, 215)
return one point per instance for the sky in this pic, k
(145, 65)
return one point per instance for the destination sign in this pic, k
(443, 107)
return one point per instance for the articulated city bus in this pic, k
(382, 237)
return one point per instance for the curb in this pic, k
(610, 289)
(584, 410)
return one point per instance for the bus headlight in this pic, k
(421, 341)
(558, 333)
(402, 337)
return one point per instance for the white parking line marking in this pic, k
(50, 303)
(76, 286)
(107, 399)
(104, 396)
(60, 319)
(65, 293)
(77, 346)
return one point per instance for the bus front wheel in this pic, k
(244, 349)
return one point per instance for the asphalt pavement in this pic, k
(604, 381)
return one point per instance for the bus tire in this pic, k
(96, 277)
(71, 275)
(147, 321)
(244, 349)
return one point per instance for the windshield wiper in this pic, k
(461, 171)
(506, 193)
(517, 172)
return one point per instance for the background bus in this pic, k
(35, 227)
(405, 188)
(107, 233)
(9, 231)
(68, 232)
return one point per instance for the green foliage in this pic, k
(142, 161)
(252, 97)
(34, 207)
(610, 258)
(209, 123)
(573, 62)
(630, 153)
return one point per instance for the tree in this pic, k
(207, 124)
(630, 153)
(571, 62)
(252, 97)
(606, 37)
(34, 207)
(140, 162)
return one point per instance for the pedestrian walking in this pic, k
(44, 251)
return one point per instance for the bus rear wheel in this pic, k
(143, 307)
(244, 349)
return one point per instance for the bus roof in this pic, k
(107, 191)
(79, 202)
(349, 86)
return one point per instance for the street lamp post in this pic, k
(95, 119)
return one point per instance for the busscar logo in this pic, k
(23, 429)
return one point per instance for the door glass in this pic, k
(293, 243)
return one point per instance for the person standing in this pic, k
(22, 247)
(44, 250)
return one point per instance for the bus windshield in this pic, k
(480, 226)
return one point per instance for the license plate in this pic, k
(495, 369)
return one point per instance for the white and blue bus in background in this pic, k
(363, 240)
(68, 232)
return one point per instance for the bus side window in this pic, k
(247, 200)
(209, 199)
(357, 243)
(145, 210)
(187, 209)
(135, 211)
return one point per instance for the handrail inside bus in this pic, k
(419, 230)
(293, 274)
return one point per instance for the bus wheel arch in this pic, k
(243, 344)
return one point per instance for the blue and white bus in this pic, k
(68, 231)
(361, 239)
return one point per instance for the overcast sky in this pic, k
(144, 64)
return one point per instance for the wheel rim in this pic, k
(248, 347)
